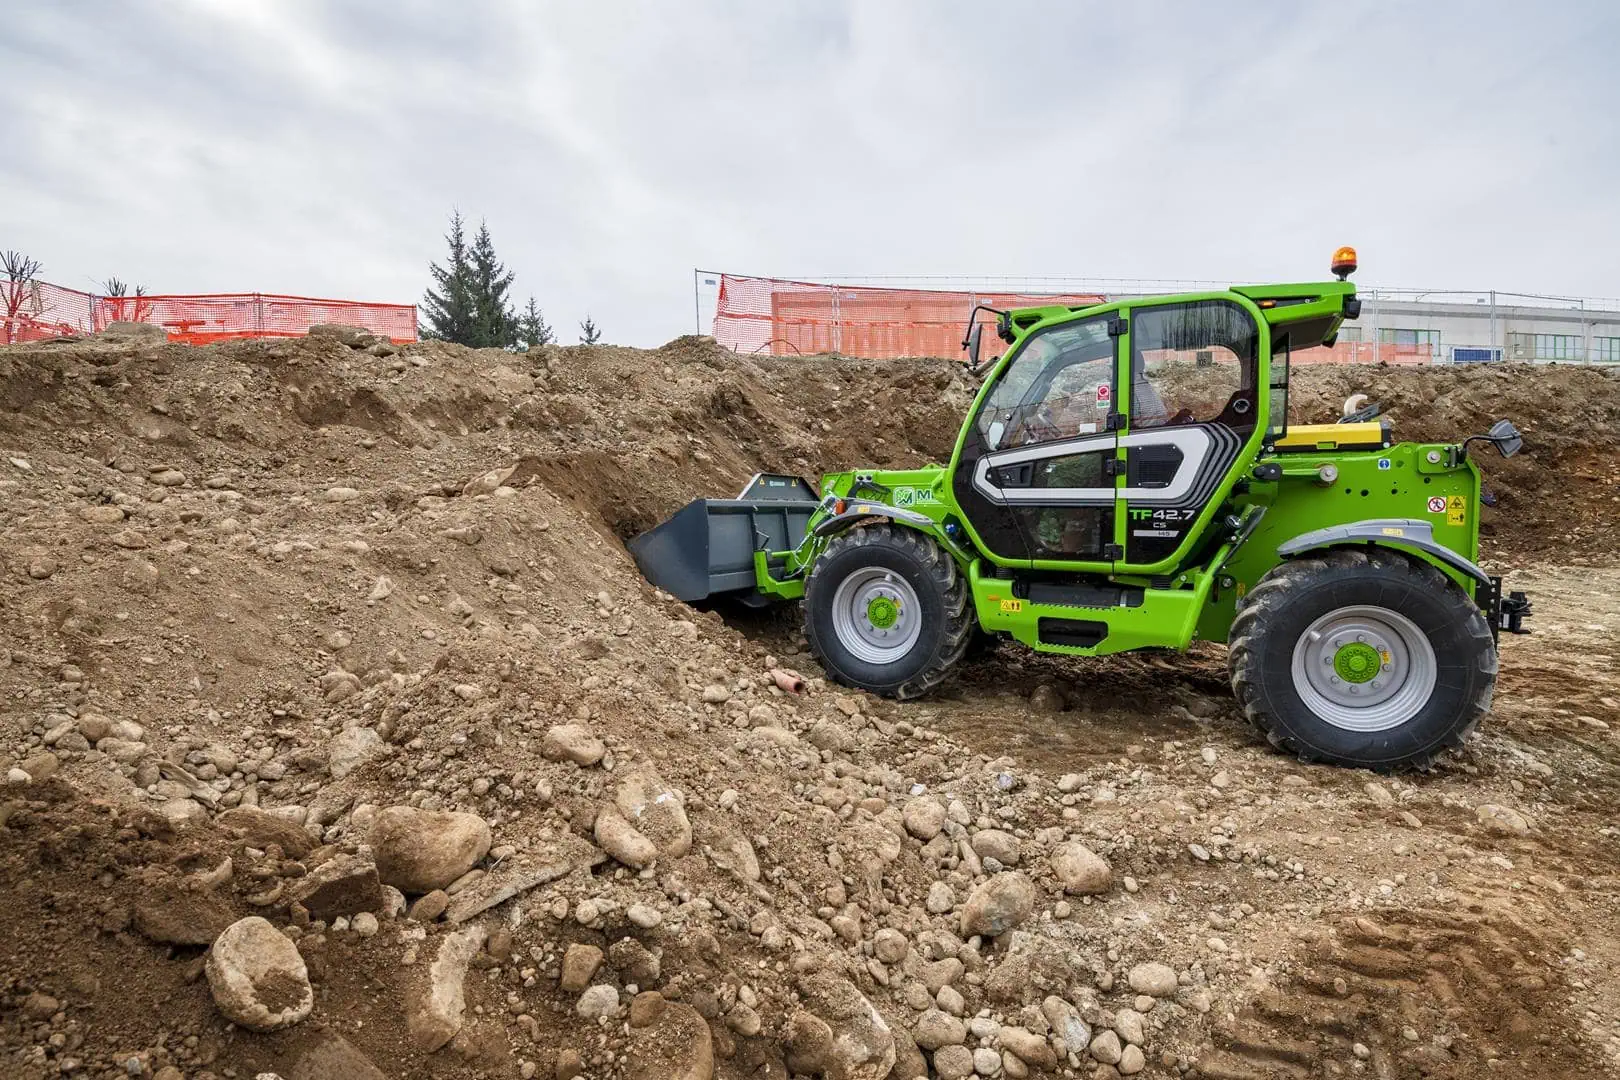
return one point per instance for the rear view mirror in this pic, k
(975, 335)
(1506, 438)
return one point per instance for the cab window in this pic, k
(1059, 386)
(1193, 363)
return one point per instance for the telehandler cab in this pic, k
(1126, 479)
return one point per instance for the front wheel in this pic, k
(885, 610)
(1366, 658)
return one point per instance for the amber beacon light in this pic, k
(1344, 262)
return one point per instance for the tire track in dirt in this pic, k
(1420, 991)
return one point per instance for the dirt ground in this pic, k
(257, 593)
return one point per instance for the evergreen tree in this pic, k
(588, 333)
(532, 328)
(495, 324)
(450, 311)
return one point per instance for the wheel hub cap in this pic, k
(1357, 662)
(1364, 668)
(876, 615)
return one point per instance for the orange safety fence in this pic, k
(1366, 352)
(785, 318)
(34, 311)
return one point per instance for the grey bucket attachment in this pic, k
(707, 548)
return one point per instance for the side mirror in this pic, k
(1506, 438)
(975, 336)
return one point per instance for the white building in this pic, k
(1462, 327)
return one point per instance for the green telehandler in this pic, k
(1127, 478)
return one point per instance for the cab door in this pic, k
(1193, 406)
(1035, 477)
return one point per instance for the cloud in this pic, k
(318, 148)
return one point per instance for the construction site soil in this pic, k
(343, 739)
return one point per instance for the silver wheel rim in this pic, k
(876, 615)
(1364, 668)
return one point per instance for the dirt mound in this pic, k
(259, 593)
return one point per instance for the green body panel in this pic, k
(1166, 617)
(1299, 503)
(1191, 593)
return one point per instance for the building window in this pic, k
(1557, 347)
(1350, 333)
(1606, 350)
(1413, 340)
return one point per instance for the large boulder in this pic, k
(257, 976)
(418, 851)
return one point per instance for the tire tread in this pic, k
(1252, 623)
(960, 621)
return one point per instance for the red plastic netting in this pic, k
(34, 311)
(785, 318)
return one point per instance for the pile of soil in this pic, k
(344, 637)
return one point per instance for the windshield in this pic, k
(1060, 385)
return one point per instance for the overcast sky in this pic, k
(317, 148)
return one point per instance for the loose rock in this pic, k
(418, 851)
(1080, 870)
(572, 742)
(1152, 979)
(257, 977)
(999, 904)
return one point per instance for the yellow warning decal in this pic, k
(1393, 532)
(1011, 607)
(1456, 510)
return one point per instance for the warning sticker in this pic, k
(1456, 510)
(1383, 464)
(1011, 607)
(1437, 504)
(1105, 396)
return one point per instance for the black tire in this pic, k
(947, 618)
(1285, 603)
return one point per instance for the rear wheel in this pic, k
(1362, 657)
(885, 610)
